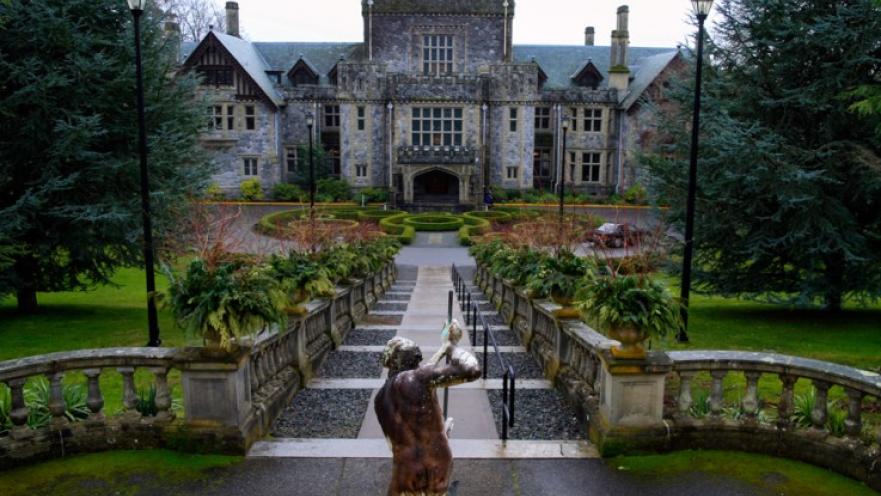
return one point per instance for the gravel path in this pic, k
(372, 337)
(538, 414)
(389, 307)
(383, 320)
(524, 365)
(346, 364)
(503, 338)
(323, 413)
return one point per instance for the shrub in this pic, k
(213, 192)
(37, 395)
(499, 193)
(146, 404)
(287, 192)
(271, 223)
(251, 190)
(635, 195)
(559, 276)
(492, 215)
(619, 301)
(335, 189)
(377, 215)
(394, 225)
(474, 226)
(427, 222)
(324, 198)
(374, 195)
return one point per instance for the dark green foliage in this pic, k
(560, 276)
(333, 189)
(322, 166)
(789, 187)
(69, 174)
(373, 195)
(287, 192)
(37, 396)
(146, 404)
(251, 190)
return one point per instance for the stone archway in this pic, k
(436, 186)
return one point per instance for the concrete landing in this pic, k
(462, 449)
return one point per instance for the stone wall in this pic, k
(229, 399)
(639, 405)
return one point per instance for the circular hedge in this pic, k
(492, 216)
(394, 226)
(377, 215)
(278, 223)
(429, 222)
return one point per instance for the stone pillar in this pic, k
(217, 388)
(631, 410)
(619, 72)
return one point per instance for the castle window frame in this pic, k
(331, 116)
(543, 118)
(250, 166)
(362, 124)
(512, 172)
(437, 54)
(593, 120)
(361, 170)
(215, 117)
(437, 126)
(292, 158)
(512, 119)
(251, 117)
(591, 167)
(573, 118)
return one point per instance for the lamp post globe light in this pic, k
(564, 123)
(702, 10)
(137, 9)
(310, 123)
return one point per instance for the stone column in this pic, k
(216, 387)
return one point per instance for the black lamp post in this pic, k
(310, 122)
(702, 10)
(137, 8)
(565, 125)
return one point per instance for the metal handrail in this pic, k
(473, 316)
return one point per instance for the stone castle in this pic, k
(436, 103)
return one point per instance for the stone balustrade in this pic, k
(630, 406)
(229, 399)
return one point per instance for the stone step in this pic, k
(427, 350)
(364, 383)
(427, 327)
(462, 449)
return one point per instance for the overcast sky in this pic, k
(660, 23)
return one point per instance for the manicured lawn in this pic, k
(852, 337)
(119, 472)
(778, 476)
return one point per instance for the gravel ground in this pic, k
(524, 365)
(323, 413)
(361, 337)
(538, 414)
(396, 297)
(503, 338)
(494, 318)
(343, 364)
(383, 320)
(389, 307)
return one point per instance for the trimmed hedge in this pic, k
(394, 225)
(268, 224)
(474, 226)
(434, 223)
(492, 215)
(518, 213)
(377, 215)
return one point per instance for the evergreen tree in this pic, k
(789, 182)
(69, 173)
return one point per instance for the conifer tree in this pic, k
(789, 182)
(69, 175)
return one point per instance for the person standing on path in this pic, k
(411, 416)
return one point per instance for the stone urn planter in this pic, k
(568, 310)
(631, 340)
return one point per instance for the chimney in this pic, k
(619, 72)
(232, 19)
(171, 29)
(589, 36)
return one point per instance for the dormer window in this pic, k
(437, 54)
(303, 73)
(588, 76)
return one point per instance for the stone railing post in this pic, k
(785, 407)
(19, 410)
(853, 425)
(163, 394)
(94, 400)
(685, 399)
(750, 402)
(631, 402)
(217, 390)
(129, 395)
(717, 393)
(819, 415)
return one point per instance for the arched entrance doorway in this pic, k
(436, 186)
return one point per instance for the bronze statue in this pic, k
(410, 414)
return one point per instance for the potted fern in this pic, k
(224, 302)
(631, 308)
(302, 278)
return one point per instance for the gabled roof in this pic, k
(649, 70)
(304, 63)
(322, 57)
(587, 71)
(248, 58)
(560, 62)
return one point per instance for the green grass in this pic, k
(118, 472)
(779, 476)
(852, 337)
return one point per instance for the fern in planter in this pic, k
(560, 277)
(517, 265)
(224, 302)
(301, 276)
(484, 253)
(338, 261)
